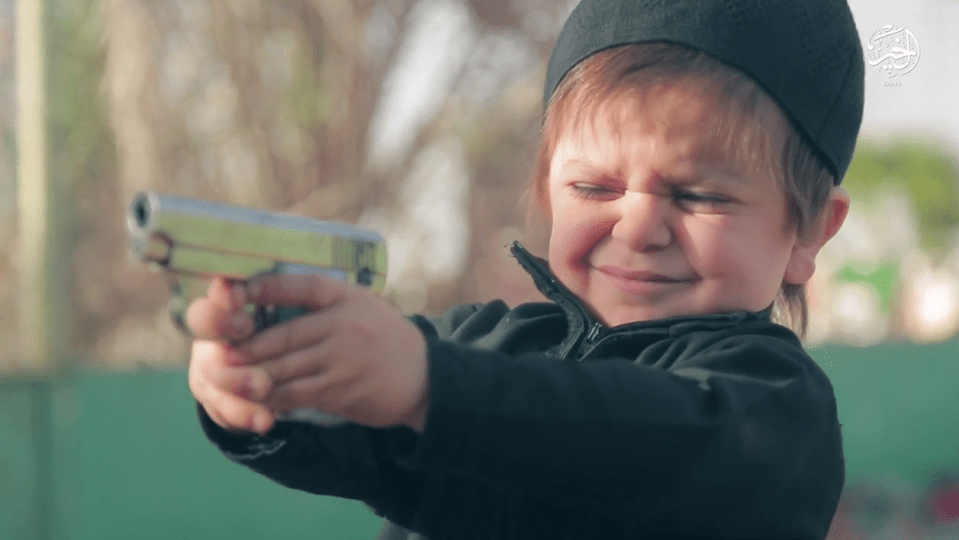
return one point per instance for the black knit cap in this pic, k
(805, 53)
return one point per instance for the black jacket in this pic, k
(544, 424)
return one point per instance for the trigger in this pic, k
(263, 318)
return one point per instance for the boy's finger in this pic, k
(208, 320)
(314, 291)
(220, 315)
(293, 335)
(243, 381)
(306, 362)
(226, 294)
(233, 413)
(232, 396)
(201, 318)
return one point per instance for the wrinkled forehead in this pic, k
(742, 131)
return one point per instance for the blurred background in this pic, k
(416, 118)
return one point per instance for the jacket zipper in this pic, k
(594, 332)
(592, 336)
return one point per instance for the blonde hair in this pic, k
(624, 70)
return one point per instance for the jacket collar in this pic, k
(583, 323)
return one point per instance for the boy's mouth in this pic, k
(638, 275)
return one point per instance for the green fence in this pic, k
(121, 456)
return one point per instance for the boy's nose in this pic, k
(643, 223)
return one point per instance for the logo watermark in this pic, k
(893, 50)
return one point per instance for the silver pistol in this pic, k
(192, 241)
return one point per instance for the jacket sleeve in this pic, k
(740, 431)
(348, 461)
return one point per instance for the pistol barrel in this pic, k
(207, 238)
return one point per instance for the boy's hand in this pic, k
(223, 389)
(354, 356)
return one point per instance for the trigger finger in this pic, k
(227, 294)
(200, 319)
(205, 318)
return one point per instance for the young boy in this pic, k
(689, 168)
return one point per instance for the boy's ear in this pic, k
(802, 262)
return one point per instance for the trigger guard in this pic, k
(177, 307)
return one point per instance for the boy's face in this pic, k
(651, 219)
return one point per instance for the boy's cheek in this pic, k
(571, 268)
(577, 230)
(564, 251)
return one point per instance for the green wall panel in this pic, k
(147, 471)
(20, 453)
(131, 462)
(899, 407)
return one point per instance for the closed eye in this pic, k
(693, 199)
(593, 191)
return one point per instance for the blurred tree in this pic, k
(895, 247)
(257, 103)
(8, 175)
(83, 156)
(292, 105)
(926, 172)
(81, 160)
(287, 106)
